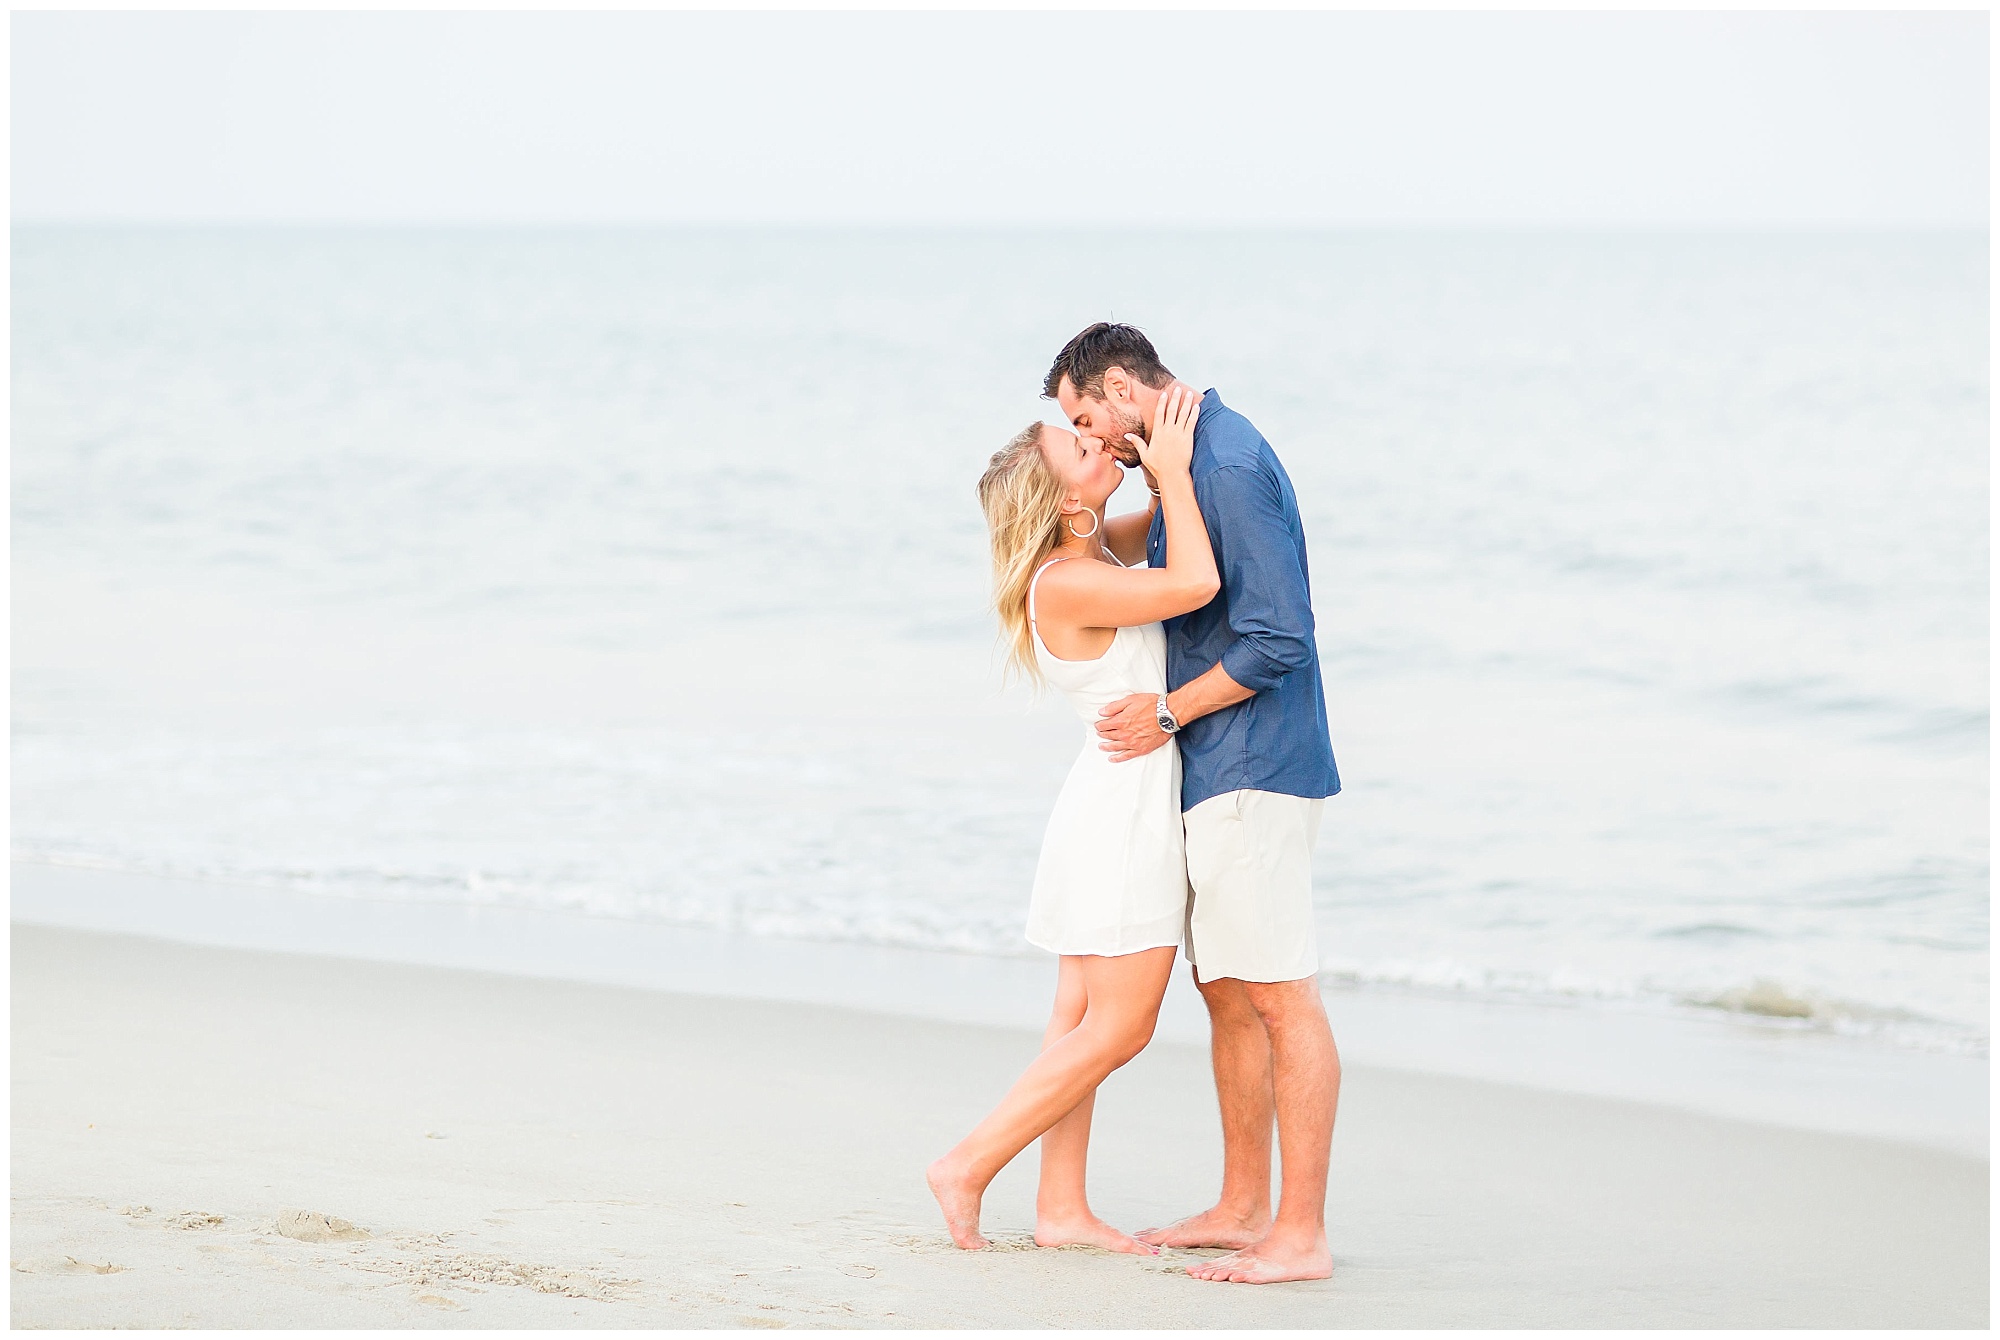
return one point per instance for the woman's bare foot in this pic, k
(1210, 1228)
(1271, 1261)
(1088, 1231)
(959, 1200)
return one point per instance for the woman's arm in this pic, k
(1125, 534)
(1098, 595)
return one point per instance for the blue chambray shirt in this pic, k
(1259, 626)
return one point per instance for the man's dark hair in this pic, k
(1099, 348)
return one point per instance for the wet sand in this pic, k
(444, 1148)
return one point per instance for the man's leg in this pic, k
(1240, 1049)
(1306, 1083)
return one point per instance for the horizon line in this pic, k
(864, 225)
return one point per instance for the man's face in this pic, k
(1108, 419)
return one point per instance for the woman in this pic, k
(1110, 891)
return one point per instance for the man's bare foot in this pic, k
(1269, 1262)
(959, 1201)
(1210, 1228)
(1202, 1270)
(1088, 1231)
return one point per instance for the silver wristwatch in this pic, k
(1166, 717)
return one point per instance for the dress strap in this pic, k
(1033, 581)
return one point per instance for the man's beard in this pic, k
(1122, 451)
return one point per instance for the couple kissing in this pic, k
(1182, 635)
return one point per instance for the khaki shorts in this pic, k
(1249, 862)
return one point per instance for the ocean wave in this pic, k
(1762, 1002)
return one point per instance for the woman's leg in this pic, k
(1066, 1144)
(1122, 1004)
(1062, 1207)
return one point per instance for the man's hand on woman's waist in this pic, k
(1130, 728)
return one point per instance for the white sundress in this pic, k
(1112, 878)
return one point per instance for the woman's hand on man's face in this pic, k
(1171, 448)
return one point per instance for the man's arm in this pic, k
(1269, 611)
(1130, 727)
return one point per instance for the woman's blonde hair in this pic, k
(1022, 498)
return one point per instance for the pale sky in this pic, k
(1299, 119)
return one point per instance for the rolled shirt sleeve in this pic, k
(1263, 584)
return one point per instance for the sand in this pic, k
(211, 1137)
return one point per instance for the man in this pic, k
(1257, 765)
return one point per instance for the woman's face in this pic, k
(1083, 464)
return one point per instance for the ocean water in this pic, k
(638, 574)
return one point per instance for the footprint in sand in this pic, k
(195, 1219)
(69, 1265)
(312, 1226)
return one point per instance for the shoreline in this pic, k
(524, 1152)
(1724, 1066)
